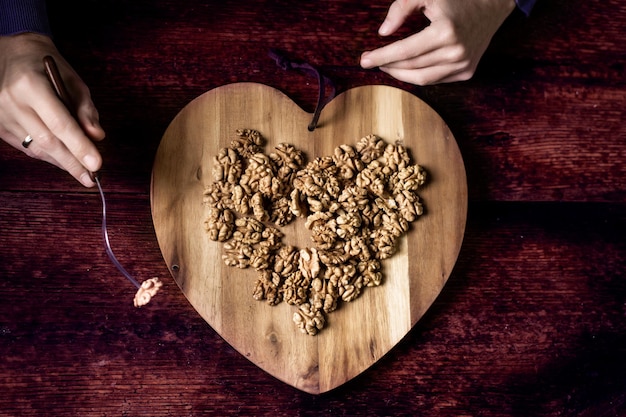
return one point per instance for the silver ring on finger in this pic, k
(27, 141)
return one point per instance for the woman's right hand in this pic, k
(29, 106)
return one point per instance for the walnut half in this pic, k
(146, 291)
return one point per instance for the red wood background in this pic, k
(532, 321)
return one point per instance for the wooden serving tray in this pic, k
(358, 333)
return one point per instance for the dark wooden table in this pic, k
(532, 321)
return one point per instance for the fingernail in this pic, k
(384, 29)
(86, 180)
(96, 123)
(365, 61)
(91, 162)
(97, 129)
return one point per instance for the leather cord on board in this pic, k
(283, 62)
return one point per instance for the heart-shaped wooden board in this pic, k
(360, 332)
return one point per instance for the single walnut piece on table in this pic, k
(146, 291)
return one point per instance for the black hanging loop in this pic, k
(323, 82)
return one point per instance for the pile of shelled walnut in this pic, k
(356, 203)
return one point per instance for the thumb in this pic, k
(397, 14)
(84, 108)
(89, 119)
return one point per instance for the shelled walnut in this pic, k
(288, 161)
(356, 204)
(227, 166)
(370, 148)
(267, 287)
(295, 288)
(220, 224)
(248, 142)
(308, 319)
(146, 291)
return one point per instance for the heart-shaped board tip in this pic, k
(357, 333)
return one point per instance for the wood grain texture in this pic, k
(358, 333)
(531, 321)
(546, 101)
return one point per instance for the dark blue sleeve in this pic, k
(18, 16)
(525, 5)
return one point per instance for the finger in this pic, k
(17, 140)
(437, 57)
(397, 14)
(60, 125)
(15, 127)
(48, 147)
(459, 76)
(86, 112)
(430, 75)
(89, 120)
(411, 47)
(35, 151)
